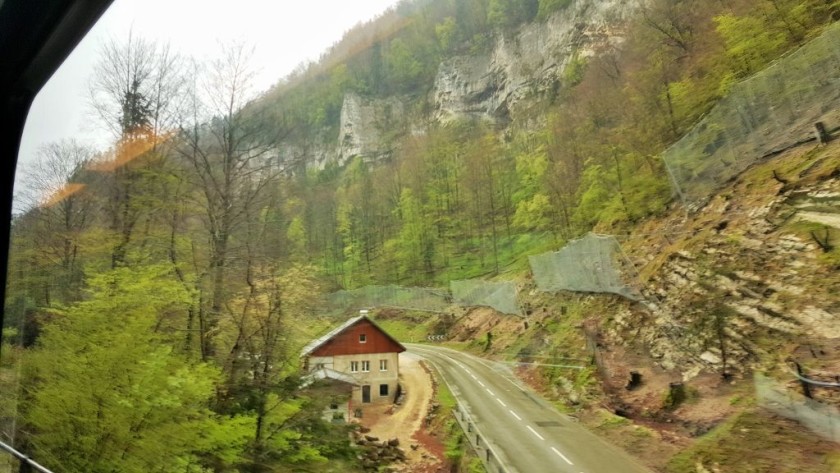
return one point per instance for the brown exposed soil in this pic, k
(708, 394)
(406, 421)
(472, 327)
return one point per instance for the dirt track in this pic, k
(405, 422)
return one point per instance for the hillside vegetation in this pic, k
(160, 291)
(472, 196)
(730, 300)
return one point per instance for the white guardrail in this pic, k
(26, 463)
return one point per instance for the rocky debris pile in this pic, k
(375, 453)
(432, 413)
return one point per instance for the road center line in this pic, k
(482, 384)
(542, 438)
(461, 365)
(489, 391)
(514, 414)
(479, 360)
(473, 377)
(501, 402)
(562, 456)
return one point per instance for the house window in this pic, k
(383, 389)
(362, 338)
(383, 365)
(354, 366)
(366, 366)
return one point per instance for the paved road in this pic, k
(524, 430)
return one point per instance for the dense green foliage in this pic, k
(110, 393)
(156, 298)
(160, 302)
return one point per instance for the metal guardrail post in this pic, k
(491, 460)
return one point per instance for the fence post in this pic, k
(821, 133)
(806, 388)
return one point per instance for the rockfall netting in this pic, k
(593, 263)
(770, 111)
(469, 293)
(822, 419)
(500, 295)
(408, 298)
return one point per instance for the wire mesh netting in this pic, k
(822, 419)
(593, 263)
(771, 110)
(408, 298)
(500, 295)
(469, 293)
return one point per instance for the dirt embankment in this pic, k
(405, 422)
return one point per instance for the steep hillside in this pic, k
(758, 258)
(740, 287)
(440, 142)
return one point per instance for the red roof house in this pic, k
(358, 352)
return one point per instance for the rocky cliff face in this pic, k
(531, 62)
(366, 125)
(487, 85)
(747, 271)
(294, 155)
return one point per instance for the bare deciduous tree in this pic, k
(137, 94)
(228, 153)
(136, 88)
(53, 189)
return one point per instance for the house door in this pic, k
(365, 393)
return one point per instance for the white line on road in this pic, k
(473, 377)
(478, 359)
(455, 392)
(456, 362)
(539, 436)
(489, 391)
(514, 414)
(501, 402)
(562, 456)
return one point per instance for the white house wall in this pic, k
(374, 378)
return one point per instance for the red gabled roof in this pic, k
(341, 333)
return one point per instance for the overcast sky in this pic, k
(283, 32)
